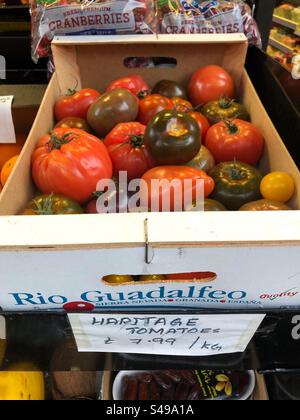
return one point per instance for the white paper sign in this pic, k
(7, 128)
(177, 335)
(2, 328)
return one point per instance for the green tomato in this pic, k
(224, 109)
(204, 160)
(236, 184)
(172, 138)
(52, 204)
(112, 108)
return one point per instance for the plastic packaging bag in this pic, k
(207, 17)
(81, 17)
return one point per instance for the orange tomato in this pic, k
(7, 169)
(7, 151)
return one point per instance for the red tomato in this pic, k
(127, 150)
(160, 195)
(202, 122)
(182, 105)
(71, 163)
(237, 140)
(152, 105)
(135, 84)
(204, 276)
(91, 207)
(209, 84)
(75, 104)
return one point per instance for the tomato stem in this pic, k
(236, 173)
(45, 208)
(231, 126)
(72, 92)
(226, 103)
(56, 142)
(137, 141)
(97, 194)
(143, 94)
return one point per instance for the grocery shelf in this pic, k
(280, 46)
(285, 22)
(46, 340)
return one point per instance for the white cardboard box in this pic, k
(47, 262)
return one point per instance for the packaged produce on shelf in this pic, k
(97, 17)
(288, 11)
(183, 385)
(285, 37)
(218, 16)
(110, 17)
(285, 59)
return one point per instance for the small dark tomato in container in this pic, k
(204, 160)
(112, 108)
(173, 138)
(73, 122)
(170, 89)
(236, 184)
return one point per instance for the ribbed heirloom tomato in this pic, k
(70, 162)
(125, 144)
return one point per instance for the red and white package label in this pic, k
(183, 23)
(95, 19)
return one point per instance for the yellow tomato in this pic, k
(152, 277)
(118, 279)
(278, 186)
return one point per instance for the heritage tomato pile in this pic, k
(167, 132)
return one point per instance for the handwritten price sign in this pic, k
(176, 335)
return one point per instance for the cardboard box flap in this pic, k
(83, 61)
(163, 229)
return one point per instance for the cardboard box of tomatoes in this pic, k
(83, 227)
